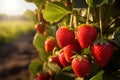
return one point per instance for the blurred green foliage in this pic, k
(10, 30)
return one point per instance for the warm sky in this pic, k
(15, 7)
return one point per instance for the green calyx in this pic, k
(80, 57)
(51, 38)
(90, 25)
(103, 41)
(67, 27)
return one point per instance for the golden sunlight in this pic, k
(11, 7)
(15, 7)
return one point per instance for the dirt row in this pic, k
(15, 58)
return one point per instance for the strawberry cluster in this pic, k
(76, 40)
(72, 43)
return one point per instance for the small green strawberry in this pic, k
(64, 36)
(86, 34)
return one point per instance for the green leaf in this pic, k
(93, 3)
(98, 76)
(28, 0)
(64, 76)
(67, 69)
(52, 67)
(38, 42)
(35, 67)
(43, 55)
(86, 51)
(38, 3)
(81, 19)
(54, 12)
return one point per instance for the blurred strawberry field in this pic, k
(10, 30)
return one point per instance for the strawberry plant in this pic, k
(85, 43)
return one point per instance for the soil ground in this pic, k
(15, 58)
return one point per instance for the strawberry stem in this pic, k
(39, 16)
(100, 23)
(71, 20)
(88, 13)
(71, 17)
(75, 20)
(41, 60)
(54, 50)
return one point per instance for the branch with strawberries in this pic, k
(77, 40)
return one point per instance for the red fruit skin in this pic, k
(40, 28)
(86, 35)
(81, 66)
(50, 44)
(102, 53)
(64, 37)
(55, 59)
(43, 76)
(63, 60)
(71, 49)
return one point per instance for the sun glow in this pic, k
(11, 7)
(15, 7)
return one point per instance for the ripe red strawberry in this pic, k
(43, 76)
(64, 36)
(102, 52)
(85, 35)
(40, 28)
(71, 49)
(81, 66)
(50, 44)
(63, 60)
(55, 59)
